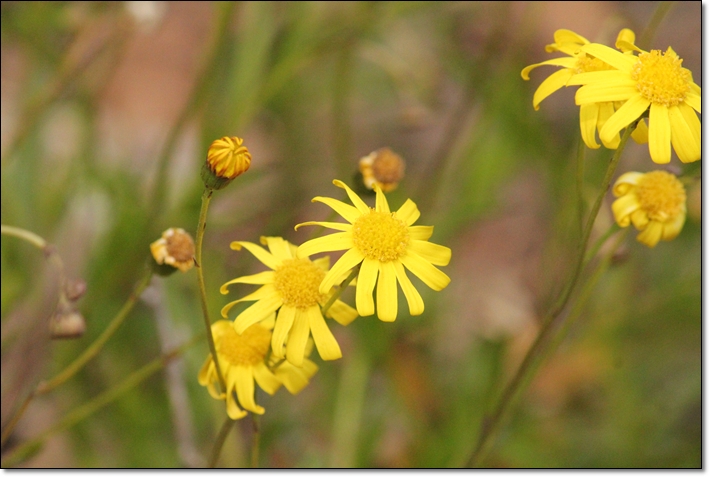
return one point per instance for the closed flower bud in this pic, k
(227, 158)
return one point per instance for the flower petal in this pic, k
(278, 247)
(261, 278)
(293, 378)
(296, 345)
(244, 377)
(354, 198)
(414, 299)
(366, 280)
(381, 204)
(588, 117)
(568, 36)
(610, 56)
(606, 77)
(420, 232)
(257, 312)
(659, 135)
(326, 344)
(387, 292)
(408, 213)
(623, 207)
(344, 264)
(266, 379)
(606, 110)
(342, 312)
(330, 225)
(233, 410)
(640, 134)
(672, 229)
(625, 115)
(626, 182)
(262, 255)
(552, 83)
(434, 253)
(606, 91)
(328, 243)
(651, 234)
(348, 212)
(284, 322)
(425, 271)
(693, 100)
(566, 62)
(267, 291)
(685, 141)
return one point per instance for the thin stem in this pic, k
(581, 151)
(7, 432)
(256, 441)
(25, 235)
(199, 236)
(219, 442)
(96, 346)
(336, 294)
(594, 249)
(526, 371)
(80, 413)
(644, 41)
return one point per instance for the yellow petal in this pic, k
(625, 38)
(387, 292)
(297, 340)
(408, 213)
(233, 410)
(626, 182)
(625, 115)
(659, 134)
(686, 143)
(244, 377)
(342, 312)
(328, 243)
(434, 253)
(344, 264)
(552, 83)
(414, 299)
(623, 207)
(262, 255)
(266, 379)
(354, 198)
(348, 212)
(606, 110)
(365, 285)
(640, 134)
(603, 92)
(568, 36)
(266, 291)
(278, 247)
(640, 219)
(284, 321)
(329, 225)
(381, 204)
(566, 62)
(425, 271)
(257, 279)
(651, 234)
(610, 56)
(420, 232)
(693, 100)
(672, 229)
(588, 115)
(326, 344)
(203, 377)
(607, 77)
(257, 312)
(295, 379)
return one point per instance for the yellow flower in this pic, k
(228, 158)
(292, 286)
(242, 361)
(592, 116)
(296, 378)
(654, 202)
(654, 82)
(174, 248)
(382, 167)
(384, 242)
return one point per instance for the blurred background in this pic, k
(107, 112)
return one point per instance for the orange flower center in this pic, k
(660, 78)
(661, 195)
(247, 349)
(297, 281)
(380, 236)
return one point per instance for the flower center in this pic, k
(380, 236)
(297, 281)
(661, 195)
(660, 78)
(587, 64)
(247, 349)
(180, 245)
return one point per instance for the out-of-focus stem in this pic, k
(219, 442)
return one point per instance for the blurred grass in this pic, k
(312, 87)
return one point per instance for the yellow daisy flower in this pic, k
(293, 287)
(242, 361)
(384, 243)
(592, 116)
(654, 202)
(654, 82)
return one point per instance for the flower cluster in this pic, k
(269, 342)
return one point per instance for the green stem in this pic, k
(96, 346)
(199, 236)
(339, 291)
(27, 449)
(219, 442)
(256, 441)
(490, 425)
(25, 235)
(581, 151)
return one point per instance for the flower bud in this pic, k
(227, 158)
(382, 167)
(175, 250)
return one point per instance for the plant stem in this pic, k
(644, 41)
(80, 413)
(339, 291)
(25, 235)
(256, 441)
(219, 442)
(526, 371)
(199, 236)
